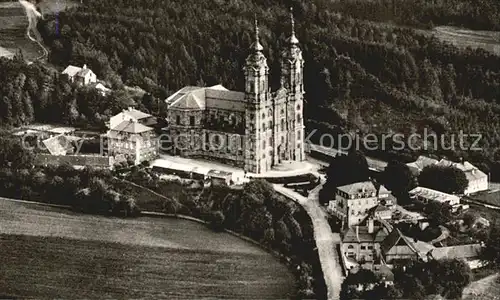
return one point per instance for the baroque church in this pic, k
(255, 129)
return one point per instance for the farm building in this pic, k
(425, 195)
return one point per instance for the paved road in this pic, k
(326, 240)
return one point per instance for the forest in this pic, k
(360, 76)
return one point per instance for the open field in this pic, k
(488, 197)
(14, 23)
(52, 253)
(462, 38)
(485, 289)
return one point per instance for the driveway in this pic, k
(326, 240)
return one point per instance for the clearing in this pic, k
(13, 25)
(54, 253)
(462, 38)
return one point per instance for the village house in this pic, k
(132, 114)
(382, 212)
(80, 76)
(362, 243)
(399, 247)
(477, 179)
(425, 195)
(130, 139)
(353, 202)
(422, 161)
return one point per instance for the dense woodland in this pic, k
(359, 75)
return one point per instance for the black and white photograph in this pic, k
(250, 149)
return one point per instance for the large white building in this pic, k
(354, 202)
(477, 179)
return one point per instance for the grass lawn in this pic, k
(490, 198)
(52, 253)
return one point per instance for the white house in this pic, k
(131, 114)
(353, 202)
(83, 75)
(478, 180)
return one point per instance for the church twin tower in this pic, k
(274, 121)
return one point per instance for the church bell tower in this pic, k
(292, 67)
(257, 98)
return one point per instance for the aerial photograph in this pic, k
(250, 149)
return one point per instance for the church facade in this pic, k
(255, 129)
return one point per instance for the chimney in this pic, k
(370, 225)
(84, 66)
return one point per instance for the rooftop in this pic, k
(217, 96)
(471, 172)
(434, 195)
(459, 252)
(131, 126)
(362, 235)
(58, 145)
(365, 187)
(421, 163)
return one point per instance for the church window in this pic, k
(270, 124)
(298, 106)
(282, 139)
(282, 124)
(252, 116)
(270, 113)
(178, 120)
(263, 126)
(299, 119)
(282, 111)
(270, 141)
(191, 120)
(233, 120)
(298, 146)
(263, 115)
(298, 134)
(263, 144)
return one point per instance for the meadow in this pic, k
(463, 38)
(53, 253)
(13, 25)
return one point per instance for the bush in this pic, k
(217, 220)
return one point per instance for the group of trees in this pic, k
(38, 93)
(343, 170)
(412, 280)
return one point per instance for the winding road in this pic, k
(326, 240)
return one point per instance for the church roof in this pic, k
(216, 96)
